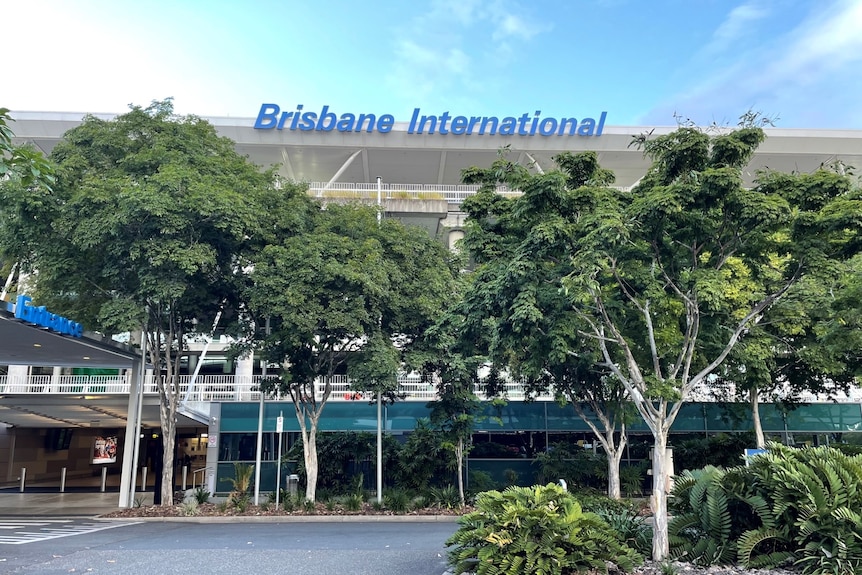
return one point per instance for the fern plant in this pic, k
(539, 529)
(815, 495)
(701, 533)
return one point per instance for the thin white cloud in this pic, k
(738, 23)
(802, 76)
(430, 58)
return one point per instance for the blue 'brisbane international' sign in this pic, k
(40, 316)
(272, 117)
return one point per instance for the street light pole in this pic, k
(379, 394)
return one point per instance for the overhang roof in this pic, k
(402, 158)
(25, 344)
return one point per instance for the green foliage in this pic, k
(481, 481)
(628, 524)
(342, 456)
(445, 497)
(189, 508)
(240, 483)
(353, 502)
(422, 459)
(702, 534)
(397, 500)
(632, 479)
(580, 468)
(202, 495)
(721, 450)
(22, 164)
(799, 505)
(540, 529)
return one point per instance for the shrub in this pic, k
(201, 495)
(445, 497)
(481, 481)
(241, 481)
(539, 529)
(799, 505)
(397, 500)
(353, 502)
(189, 508)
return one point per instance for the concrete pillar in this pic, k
(132, 436)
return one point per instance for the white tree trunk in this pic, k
(614, 458)
(459, 462)
(755, 418)
(309, 451)
(169, 440)
(658, 501)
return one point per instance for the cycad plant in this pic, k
(241, 481)
(539, 529)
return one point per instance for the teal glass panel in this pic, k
(727, 417)
(403, 415)
(504, 472)
(771, 418)
(565, 418)
(690, 418)
(349, 416)
(515, 416)
(268, 473)
(825, 417)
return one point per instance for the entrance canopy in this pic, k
(25, 344)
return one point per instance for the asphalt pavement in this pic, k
(321, 548)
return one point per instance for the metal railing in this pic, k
(230, 388)
(452, 193)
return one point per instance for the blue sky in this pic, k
(639, 60)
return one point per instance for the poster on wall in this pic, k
(105, 449)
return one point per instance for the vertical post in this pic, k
(143, 479)
(136, 436)
(185, 476)
(379, 394)
(23, 479)
(257, 456)
(63, 480)
(104, 479)
(280, 430)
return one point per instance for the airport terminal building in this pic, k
(68, 400)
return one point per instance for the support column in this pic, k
(132, 434)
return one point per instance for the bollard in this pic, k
(23, 477)
(293, 484)
(185, 476)
(143, 479)
(63, 480)
(104, 478)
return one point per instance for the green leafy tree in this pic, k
(143, 232)
(810, 345)
(667, 278)
(23, 171)
(522, 255)
(22, 163)
(348, 295)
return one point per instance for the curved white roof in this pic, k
(399, 157)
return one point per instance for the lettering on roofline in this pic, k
(271, 117)
(38, 315)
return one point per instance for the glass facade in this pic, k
(533, 425)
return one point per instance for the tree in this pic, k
(522, 256)
(810, 344)
(667, 278)
(21, 163)
(143, 232)
(23, 170)
(349, 295)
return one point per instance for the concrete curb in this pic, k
(293, 519)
